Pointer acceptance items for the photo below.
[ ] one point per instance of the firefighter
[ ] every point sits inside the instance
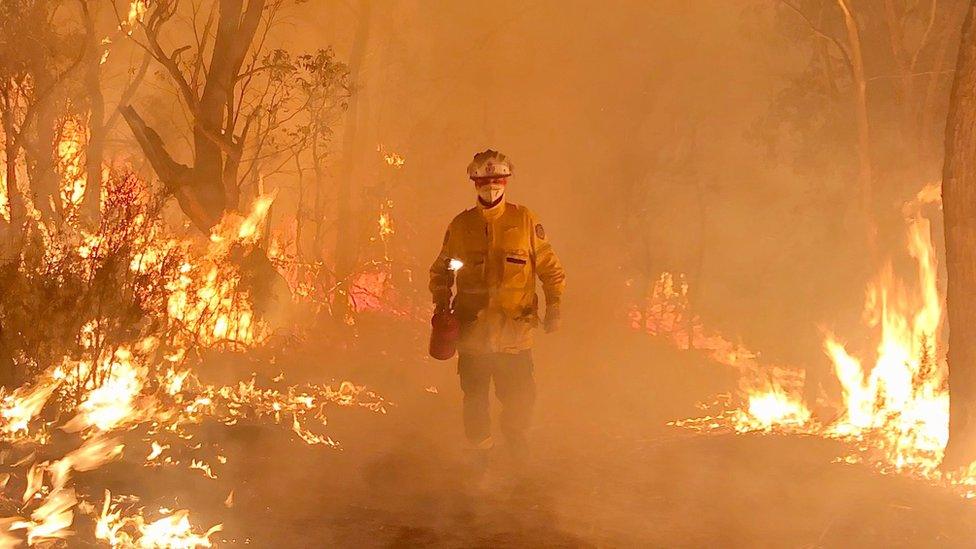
(494, 252)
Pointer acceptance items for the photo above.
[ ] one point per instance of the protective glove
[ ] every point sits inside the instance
(554, 319)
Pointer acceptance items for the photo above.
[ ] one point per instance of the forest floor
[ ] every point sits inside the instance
(605, 471)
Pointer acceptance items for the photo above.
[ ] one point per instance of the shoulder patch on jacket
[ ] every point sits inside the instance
(539, 231)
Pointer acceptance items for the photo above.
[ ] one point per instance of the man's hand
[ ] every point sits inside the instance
(554, 319)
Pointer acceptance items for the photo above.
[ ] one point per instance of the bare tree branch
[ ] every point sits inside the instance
(925, 36)
(169, 62)
(130, 91)
(816, 30)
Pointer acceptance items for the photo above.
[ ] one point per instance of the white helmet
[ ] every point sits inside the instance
(489, 165)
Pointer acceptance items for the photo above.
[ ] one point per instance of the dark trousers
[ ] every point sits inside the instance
(514, 387)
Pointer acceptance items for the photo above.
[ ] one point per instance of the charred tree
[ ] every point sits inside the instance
(210, 187)
(178, 178)
(959, 204)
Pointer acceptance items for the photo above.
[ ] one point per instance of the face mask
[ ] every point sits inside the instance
(490, 193)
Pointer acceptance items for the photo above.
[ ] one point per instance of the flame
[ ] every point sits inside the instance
(773, 407)
(173, 530)
(137, 12)
(194, 295)
(249, 230)
(106, 42)
(113, 401)
(157, 450)
(895, 399)
(206, 300)
(20, 407)
(6, 540)
(202, 466)
(386, 225)
(667, 313)
(94, 453)
(121, 400)
(52, 518)
(392, 159)
(386, 230)
(71, 162)
(4, 199)
(902, 402)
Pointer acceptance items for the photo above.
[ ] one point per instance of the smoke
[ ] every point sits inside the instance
(648, 136)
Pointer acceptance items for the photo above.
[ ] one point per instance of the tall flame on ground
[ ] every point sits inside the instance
(206, 299)
(901, 404)
(896, 410)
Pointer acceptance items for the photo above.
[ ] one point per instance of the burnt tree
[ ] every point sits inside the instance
(210, 187)
(959, 204)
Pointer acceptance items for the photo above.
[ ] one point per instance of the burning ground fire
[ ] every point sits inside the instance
(895, 413)
(371, 287)
(132, 394)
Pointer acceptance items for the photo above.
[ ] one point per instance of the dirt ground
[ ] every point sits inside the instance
(606, 470)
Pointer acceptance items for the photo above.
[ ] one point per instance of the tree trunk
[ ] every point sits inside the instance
(865, 176)
(347, 241)
(15, 202)
(301, 215)
(95, 151)
(319, 201)
(235, 31)
(959, 204)
(209, 188)
(38, 135)
(178, 178)
(41, 150)
(928, 111)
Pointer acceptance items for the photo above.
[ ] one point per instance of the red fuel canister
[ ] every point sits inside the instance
(444, 335)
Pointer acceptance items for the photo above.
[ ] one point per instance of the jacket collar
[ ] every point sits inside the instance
(493, 213)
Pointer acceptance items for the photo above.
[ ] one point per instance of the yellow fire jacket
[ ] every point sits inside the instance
(502, 249)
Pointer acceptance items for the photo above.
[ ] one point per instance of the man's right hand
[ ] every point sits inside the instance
(553, 320)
